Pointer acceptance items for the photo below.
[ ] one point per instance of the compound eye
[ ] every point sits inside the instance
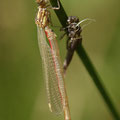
(46, 1)
(38, 1)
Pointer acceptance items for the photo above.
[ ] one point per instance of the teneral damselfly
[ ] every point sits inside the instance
(56, 92)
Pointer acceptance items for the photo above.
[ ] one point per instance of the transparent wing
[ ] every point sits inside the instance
(53, 77)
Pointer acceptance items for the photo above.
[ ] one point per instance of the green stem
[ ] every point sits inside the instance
(62, 16)
(97, 80)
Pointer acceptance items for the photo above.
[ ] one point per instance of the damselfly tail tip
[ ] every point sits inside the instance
(50, 107)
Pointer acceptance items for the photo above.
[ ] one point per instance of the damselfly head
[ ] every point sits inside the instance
(41, 2)
(72, 19)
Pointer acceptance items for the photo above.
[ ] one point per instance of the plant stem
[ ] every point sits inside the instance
(62, 16)
(97, 80)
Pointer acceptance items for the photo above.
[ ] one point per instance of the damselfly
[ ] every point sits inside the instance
(56, 92)
(74, 37)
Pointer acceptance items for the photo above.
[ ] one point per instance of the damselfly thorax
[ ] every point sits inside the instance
(43, 15)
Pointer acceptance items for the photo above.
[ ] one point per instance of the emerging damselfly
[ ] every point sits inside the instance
(73, 31)
(56, 92)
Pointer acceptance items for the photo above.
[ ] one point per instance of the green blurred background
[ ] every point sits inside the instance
(22, 89)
